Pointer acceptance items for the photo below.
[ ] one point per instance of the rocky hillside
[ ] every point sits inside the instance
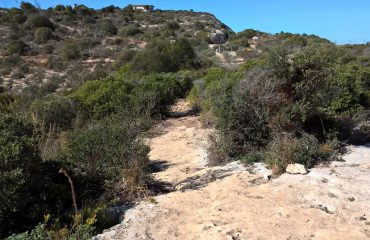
(60, 48)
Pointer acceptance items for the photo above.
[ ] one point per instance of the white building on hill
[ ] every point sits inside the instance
(143, 8)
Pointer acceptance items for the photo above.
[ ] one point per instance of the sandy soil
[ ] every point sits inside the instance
(233, 202)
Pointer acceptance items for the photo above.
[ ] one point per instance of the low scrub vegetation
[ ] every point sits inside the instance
(285, 111)
(94, 136)
(71, 142)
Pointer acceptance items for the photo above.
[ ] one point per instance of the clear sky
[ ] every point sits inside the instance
(341, 21)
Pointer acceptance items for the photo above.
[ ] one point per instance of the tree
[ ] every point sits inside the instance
(109, 9)
(59, 8)
(128, 9)
(26, 6)
(83, 10)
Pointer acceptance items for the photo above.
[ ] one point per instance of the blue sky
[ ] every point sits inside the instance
(341, 21)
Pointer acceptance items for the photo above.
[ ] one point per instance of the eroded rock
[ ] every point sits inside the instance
(296, 169)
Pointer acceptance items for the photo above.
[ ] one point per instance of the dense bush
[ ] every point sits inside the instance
(151, 94)
(27, 6)
(16, 47)
(19, 18)
(277, 108)
(37, 21)
(130, 30)
(164, 56)
(159, 91)
(59, 8)
(279, 105)
(125, 57)
(43, 34)
(41, 231)
(103, 157)
(172, 26)
(108, 152)
(70, 51)
(247, 33)
(296, 41)
(25, 189)
(55, 113)
(242, 112)
(285, 149)
(107, 27)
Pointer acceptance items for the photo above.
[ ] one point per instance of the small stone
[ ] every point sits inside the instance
(351, 199)
(296, 169)
(365, 166)
(205, 228)
(325, 180)
(362, 218)
(332, 195)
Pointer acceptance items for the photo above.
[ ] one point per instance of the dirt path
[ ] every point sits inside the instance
(235, 203)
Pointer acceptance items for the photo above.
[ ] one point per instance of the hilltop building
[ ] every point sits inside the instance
(143, 8)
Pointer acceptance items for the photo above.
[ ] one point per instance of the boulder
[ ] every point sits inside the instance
(218, 37)
(296, 169)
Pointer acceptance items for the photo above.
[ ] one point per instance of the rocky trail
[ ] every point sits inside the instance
(234, 202)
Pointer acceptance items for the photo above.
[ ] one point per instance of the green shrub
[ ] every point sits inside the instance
(15, 47)
(253, 157)
(19, 18)
(287, 149)
(242, 111)
(25, 188)
(70, 51)
(161, 91)
(198, 25)
(109, 9)
(48, 49)
(101, 98)
(53, 113)
(41, 232)
(27, 6)
(248, 33)
(108, 152)
(43, 34)
(241, 42)
(151, 95)
(125, 57)
(37, 21)
(59, 8)
(220, 150)
(107, 27)
(163, 56)
(130, 30)
(296, 41)
(172, 26)
(83, 10)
